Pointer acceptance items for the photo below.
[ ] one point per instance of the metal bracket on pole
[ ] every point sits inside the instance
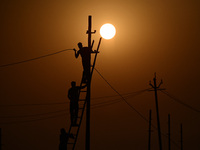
(91, 32)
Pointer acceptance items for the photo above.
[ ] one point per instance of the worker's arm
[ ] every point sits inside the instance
(82, 87)
(76, 53)
(69, 96)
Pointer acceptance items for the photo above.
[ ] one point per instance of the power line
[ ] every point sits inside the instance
(32, 120)
(34, 104)
(107, 104)
(130, 94)
(180, 102)
(39, 119)
(118, 99)
(123, 97)
(32, 59)
(97, 105)
(94, 106)
(33, 115)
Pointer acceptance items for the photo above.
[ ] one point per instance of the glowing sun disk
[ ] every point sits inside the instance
(107, 31)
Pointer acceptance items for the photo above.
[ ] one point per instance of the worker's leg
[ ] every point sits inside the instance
(76, 113)
(71, 113)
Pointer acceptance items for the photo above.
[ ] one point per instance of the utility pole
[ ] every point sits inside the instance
(0, 140)
(181, 137)
(149, 143)
(157, 111)
(89, 32)
(169, 138)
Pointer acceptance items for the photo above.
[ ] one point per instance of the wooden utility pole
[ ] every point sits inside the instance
(169, 138)
(0, 140)
(89, 32)
(181, 137)
(157, 111)
(149, 142)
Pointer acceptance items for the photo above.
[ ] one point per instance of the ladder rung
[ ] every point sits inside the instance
(83, 91)
(75, 125)
(84, 83)
(70, 143)
(81, 107)
(82, 99)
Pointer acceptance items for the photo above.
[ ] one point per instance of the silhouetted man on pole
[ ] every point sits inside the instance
(73, 95)
(64, 137)
(85, 54)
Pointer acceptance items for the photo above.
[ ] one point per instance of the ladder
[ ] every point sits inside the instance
(74, 130)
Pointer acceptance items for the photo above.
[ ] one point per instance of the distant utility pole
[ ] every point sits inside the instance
(181, 137)
(149, 143)
(0, 140)
(157, 112)
(89, 32)
(169, 138)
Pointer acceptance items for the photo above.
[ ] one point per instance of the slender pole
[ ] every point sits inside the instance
(87, 142)
(169, 138)
(157, 111)
(181, 137)
(149, 143)
(0, 140)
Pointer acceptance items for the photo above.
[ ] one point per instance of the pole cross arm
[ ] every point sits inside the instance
(161, 82)
(151, 84)
(91, 32)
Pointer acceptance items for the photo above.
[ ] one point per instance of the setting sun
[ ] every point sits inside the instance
(107, 31)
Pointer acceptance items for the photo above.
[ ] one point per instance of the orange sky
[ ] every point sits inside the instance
(152, 36)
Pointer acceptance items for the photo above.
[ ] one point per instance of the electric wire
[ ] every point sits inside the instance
(94, 106)
(118, 99)
(33, 115)
(34, 104)
(58, 103)
(180, 102)
(33, 120)
(122, 96)
(107, 104)
(32, 59)
(39, 119)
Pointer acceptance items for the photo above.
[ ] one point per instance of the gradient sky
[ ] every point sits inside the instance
(152, 36)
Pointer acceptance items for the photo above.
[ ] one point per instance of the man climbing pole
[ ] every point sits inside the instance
(85, 54)
(73, 95)
(64, 137)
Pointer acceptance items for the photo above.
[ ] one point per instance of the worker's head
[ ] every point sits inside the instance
(80, 45)
(73, 83)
